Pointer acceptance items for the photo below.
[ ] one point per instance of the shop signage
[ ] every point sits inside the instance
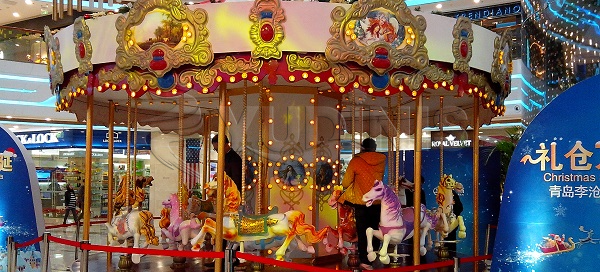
(486, 12)
(75, 138)
(551, 195)
(39, 138)
(451, 141)
(80, 154)
(20, 202)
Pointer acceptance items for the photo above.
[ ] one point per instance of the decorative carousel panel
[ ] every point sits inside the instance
(160, 35)
(379, 34)
(266, 31)
(502, 65)
(462, 46)
(54, 61)
(83, 46)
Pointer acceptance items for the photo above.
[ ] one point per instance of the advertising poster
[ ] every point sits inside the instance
(551, 200)
(20, 203)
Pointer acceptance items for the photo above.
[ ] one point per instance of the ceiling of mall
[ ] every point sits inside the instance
(33, 9)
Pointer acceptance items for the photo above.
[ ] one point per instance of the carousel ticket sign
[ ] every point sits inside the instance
(20, 202)
(551, 196)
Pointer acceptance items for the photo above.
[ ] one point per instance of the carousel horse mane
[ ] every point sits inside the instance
(232, 195)
(136, 196)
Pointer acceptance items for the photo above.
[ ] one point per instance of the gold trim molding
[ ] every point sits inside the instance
(83, 46)
(502, 64)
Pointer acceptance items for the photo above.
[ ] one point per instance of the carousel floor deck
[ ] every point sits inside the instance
(62, 258)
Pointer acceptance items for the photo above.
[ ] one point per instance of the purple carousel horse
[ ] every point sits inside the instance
(396, 224)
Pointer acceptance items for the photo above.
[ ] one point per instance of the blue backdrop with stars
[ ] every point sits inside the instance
(458, 162)
(552, 189)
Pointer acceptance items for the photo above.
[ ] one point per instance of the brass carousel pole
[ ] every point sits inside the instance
(353, 123)
(398, 131)
(244, 140)
(88, 177)
(391, 174)
(111, 150)
(417, 196)
(205, 152)
(476, 177)
(220, 173)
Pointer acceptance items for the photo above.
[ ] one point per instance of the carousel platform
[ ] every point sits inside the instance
(62, 258)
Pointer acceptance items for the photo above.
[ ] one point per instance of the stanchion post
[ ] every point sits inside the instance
(229, 259)
(10, 248)
(84, 256)
(456, 264)
(45, 251)
(78, 225)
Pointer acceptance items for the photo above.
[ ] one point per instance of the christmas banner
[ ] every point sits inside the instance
(551, 197)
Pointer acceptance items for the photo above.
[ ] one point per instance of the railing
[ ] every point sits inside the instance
(228, 256)
(22, 45)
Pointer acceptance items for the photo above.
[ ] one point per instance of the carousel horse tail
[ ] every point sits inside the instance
(310, 232)
(164, 218)
(147, 227)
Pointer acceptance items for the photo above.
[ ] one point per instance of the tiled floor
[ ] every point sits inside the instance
(62, 258)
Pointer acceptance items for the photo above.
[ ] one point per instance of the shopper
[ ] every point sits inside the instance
(361, 173)
(233, 161)
(70, 203)
(80, 199)
(233, 168)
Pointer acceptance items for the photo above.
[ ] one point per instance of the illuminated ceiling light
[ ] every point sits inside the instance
(438, 6)
(28, 2)
(16, 14)
(476, 1)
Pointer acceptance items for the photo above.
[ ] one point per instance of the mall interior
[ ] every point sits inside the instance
(554, 46)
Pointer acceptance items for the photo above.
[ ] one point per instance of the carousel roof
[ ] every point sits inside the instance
(161, 51)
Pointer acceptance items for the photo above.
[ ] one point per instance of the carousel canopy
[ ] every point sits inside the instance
(373, 58)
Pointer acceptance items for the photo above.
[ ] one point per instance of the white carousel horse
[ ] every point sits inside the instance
(445, 201)
(396, 223)
(240, 227)
(132, 224)
(176, 230)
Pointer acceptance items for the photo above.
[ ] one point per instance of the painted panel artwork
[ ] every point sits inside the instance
(548, 217)
(158, 26)
(20, 203)
(380, 25)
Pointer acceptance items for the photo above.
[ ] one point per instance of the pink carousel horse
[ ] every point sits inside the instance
(176, 230)
(346, 229)
(396, 223)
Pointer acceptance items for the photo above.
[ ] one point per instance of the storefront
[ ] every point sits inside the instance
(59, 156)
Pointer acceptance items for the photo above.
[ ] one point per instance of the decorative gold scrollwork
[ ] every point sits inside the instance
(502, 64)
(462, 46)
(266, 31)
(180, 37)
(55, 67)
(415, 80)
(380, 34)
(83, 46)
(315, 64)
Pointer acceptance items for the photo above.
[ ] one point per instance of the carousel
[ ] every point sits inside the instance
(295, 86)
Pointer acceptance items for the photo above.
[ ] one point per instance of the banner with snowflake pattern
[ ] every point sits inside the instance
(551, 198)
(20, 203)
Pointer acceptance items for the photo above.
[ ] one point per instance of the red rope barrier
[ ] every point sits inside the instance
(28, 243)
(269, 261)
(475, 259)
(158, 252)
(64, 241)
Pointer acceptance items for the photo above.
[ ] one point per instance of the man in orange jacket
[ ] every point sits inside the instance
(361, 173)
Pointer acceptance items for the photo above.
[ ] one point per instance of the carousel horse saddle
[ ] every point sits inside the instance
(254, 224)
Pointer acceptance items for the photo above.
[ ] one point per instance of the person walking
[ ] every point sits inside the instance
(70, 203)
(362, 171)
